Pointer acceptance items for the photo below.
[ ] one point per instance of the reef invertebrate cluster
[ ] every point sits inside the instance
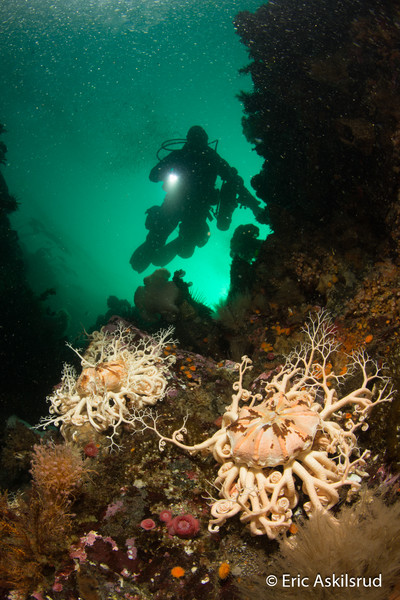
(296, 439)
(121, 372)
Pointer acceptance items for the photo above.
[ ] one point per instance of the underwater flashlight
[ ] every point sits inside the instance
(172, 179)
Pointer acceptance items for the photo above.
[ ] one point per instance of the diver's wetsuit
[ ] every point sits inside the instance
(187, 203)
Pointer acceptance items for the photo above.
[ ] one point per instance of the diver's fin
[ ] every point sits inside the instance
(142, 257)
(165, 254)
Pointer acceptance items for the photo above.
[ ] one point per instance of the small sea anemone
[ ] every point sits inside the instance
(165, 516)
(147, 524)
(91, 449)
(184, 526)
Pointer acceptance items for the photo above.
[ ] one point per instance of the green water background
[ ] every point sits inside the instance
(90, 89)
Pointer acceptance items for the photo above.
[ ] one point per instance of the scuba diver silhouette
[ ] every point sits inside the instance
(189, 175)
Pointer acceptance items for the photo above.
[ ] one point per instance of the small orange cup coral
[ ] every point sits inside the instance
(177, 572)
(224, 570)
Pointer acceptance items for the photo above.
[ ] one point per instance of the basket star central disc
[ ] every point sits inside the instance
(273, 433)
